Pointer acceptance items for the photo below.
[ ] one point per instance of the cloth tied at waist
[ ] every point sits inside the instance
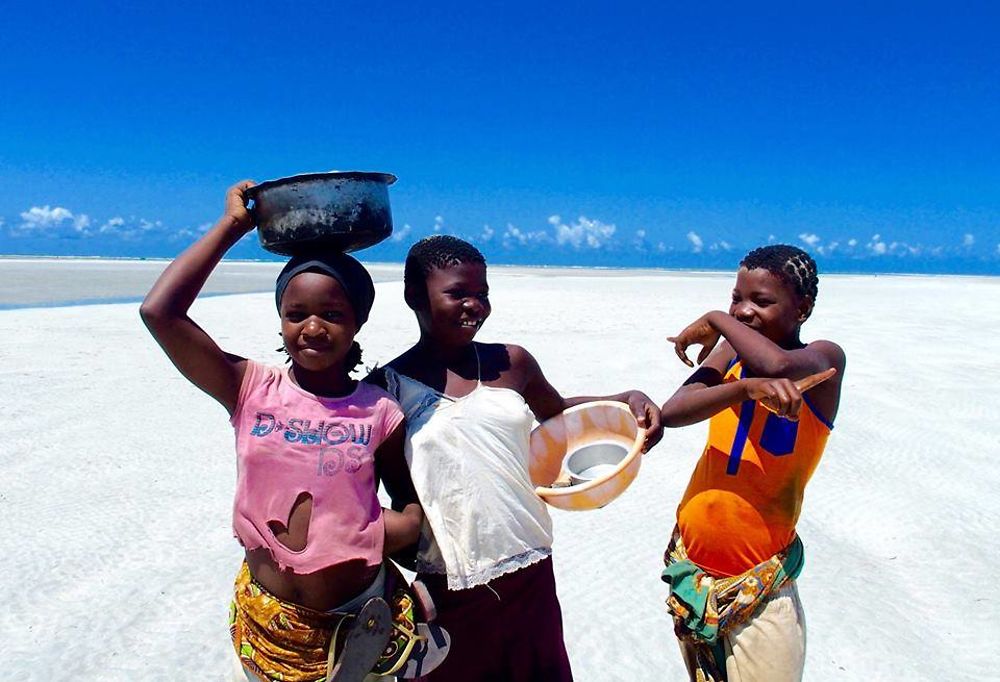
(704, 607)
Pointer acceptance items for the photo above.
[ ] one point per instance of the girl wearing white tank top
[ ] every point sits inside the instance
(485, 546)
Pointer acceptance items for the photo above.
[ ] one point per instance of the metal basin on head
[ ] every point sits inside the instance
(336, 211)
(586, 456)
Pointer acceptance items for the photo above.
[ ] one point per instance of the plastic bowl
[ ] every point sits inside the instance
(587, 456)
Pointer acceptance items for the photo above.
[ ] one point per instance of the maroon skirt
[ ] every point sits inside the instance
(507, 631)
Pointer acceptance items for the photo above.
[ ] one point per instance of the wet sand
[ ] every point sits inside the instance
(46, 282)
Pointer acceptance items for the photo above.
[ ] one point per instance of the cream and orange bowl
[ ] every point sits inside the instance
(587, 456)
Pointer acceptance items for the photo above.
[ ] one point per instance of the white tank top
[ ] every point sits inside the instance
(468, 459)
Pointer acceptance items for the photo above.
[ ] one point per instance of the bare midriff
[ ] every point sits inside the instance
(323, 590)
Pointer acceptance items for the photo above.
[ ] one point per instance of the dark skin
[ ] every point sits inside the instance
(762, 327)
(450, 311)
(318, 326)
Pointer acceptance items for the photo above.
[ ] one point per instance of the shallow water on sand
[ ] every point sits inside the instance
(43, 282)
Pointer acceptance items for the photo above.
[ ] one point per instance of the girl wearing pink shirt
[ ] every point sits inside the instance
(312, 445)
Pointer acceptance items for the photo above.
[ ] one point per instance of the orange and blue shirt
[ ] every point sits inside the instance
(744, 498)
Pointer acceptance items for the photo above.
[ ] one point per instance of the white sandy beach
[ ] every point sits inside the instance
(116, 479)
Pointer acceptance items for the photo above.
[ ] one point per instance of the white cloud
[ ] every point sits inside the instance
(639, 242)
(852, 242)
(438, 223)
(877, 246)
(696, 242)
(584, 232)
(59, 221)
(46, 218)
(112, 225)
(662, 248)
(400, 235)
(968, 239)
(809, 238)
(149, 225)
(487, 233)
(138, 228)
(514, 236)
(40, 217)
(721, 246)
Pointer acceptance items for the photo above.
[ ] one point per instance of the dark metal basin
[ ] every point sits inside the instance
(340, 210)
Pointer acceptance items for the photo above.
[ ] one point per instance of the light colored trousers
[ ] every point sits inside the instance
(770, 647)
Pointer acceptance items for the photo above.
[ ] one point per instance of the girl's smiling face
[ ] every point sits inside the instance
(457, 304)
(765, 303)
(318, 324)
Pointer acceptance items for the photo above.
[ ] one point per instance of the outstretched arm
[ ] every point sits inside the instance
(165, 309)
(705, 393)
(545, 401)
(764, 358)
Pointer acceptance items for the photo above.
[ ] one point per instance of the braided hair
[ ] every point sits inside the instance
(790, 264)
(436, 251)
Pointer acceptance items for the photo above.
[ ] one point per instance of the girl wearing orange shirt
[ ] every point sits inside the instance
(771, 400)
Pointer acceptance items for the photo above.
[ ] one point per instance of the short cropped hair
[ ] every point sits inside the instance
(437, 251)
(792, 265)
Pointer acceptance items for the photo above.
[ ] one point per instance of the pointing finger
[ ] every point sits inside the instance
(814, 379)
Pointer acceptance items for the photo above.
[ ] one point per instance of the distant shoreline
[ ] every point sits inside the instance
(515, 267)
(57, 281)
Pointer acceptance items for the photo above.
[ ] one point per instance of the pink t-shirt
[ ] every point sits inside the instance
(289, 442)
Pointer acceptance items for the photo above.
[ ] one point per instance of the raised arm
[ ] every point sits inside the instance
(165, 309)
(759, 354)
(704, 394)
(545, 401)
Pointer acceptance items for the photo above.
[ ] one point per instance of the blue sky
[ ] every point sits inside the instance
(603, 134)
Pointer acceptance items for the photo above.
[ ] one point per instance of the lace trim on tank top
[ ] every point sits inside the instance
(508, 565)
(433, 562)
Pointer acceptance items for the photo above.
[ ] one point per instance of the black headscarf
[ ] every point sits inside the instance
(353, 277)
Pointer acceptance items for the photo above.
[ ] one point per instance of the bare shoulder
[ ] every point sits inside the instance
(518, 354)
(507, 365)
(832, 352)
(520, 361)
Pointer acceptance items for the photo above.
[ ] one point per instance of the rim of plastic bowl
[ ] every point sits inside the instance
(634, 451)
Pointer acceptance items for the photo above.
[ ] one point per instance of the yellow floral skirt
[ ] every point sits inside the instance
(278, 640)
